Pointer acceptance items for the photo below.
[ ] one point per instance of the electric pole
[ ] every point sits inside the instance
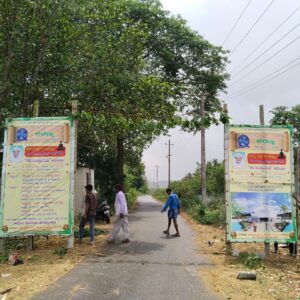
(169, 163)
(203, 157)
(157, 176)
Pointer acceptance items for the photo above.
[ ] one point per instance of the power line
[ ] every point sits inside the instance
(267, 60)
(267, 38)
(267, 76)
(235, 24)
(272, 46)
(251, 28)
(266, 81)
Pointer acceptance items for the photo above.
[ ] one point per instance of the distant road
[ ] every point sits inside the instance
(152, 267)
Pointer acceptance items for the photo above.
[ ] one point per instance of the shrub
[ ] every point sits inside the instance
(250, 260)
(212, 217)
(131, 196)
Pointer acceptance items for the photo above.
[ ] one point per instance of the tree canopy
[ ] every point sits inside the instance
(134, 69)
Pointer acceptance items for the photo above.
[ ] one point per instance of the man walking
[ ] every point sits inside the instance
(122, 220)
(173, 212)
(89, 214)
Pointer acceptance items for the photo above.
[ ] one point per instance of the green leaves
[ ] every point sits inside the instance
(134, 69)
(283, 116)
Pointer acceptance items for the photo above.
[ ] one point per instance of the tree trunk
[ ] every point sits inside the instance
(120, 161)
(203, 158)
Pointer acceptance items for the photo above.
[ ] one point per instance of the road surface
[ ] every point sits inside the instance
(152, 267)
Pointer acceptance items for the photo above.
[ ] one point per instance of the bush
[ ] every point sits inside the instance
(250, 260)
(211, 214)
(131, 196)
(212, 217)
(159, 194)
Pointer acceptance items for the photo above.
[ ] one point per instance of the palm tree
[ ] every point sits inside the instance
(284, 209)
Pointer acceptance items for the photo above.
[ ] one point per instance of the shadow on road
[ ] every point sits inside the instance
(134, 248)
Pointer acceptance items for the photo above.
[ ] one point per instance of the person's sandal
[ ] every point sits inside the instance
(166, 232)
(125, 241)
(176, 235)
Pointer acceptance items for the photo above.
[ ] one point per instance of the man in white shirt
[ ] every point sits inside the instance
(122, 220)
(16, 154)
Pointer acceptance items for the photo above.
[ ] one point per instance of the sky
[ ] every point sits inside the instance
(264, 68)
(262, 204)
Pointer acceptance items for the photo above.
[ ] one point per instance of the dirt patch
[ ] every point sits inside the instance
(278, 276)
(42, 267)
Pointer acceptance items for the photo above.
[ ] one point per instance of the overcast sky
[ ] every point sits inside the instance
(269, 76)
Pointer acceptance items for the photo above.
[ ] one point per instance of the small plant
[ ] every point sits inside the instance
(86, 232)
(34, 257)
(3, 259)
(250, 260)
(61, 251)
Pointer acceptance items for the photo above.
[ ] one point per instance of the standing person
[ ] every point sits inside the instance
(121, 213)
(173, 212)
(89, 214)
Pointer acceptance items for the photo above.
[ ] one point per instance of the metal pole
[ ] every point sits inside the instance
(74, 111)
(203, 157)
(169, 162)
(261, 115)
(157, 176)
(169, 165)
(36, 108)
(35, 113)
(228, 245)
(297, 190)
(262, 122)
(70, 241)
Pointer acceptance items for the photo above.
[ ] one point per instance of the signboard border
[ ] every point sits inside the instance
(228, 194)
(68, 231)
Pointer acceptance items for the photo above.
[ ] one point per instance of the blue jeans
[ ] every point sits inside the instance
(91, 220)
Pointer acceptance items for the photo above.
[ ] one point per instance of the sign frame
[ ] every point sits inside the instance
(267, 238)
(65, 231)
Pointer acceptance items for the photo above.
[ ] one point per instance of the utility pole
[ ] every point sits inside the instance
(203, 157)
(169, 163)
(157, 176)
(36, 108)
(227, 243)
(262, 123)
(297, 190)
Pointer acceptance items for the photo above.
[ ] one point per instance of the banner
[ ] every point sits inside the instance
(37, 177)
(259, 184)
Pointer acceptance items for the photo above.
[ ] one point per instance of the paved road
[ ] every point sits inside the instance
(152, 267)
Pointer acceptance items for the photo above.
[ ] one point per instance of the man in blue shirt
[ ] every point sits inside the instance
(174, 209)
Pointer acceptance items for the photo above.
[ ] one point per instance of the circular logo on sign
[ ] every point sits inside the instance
(243, 141)
(22, 135)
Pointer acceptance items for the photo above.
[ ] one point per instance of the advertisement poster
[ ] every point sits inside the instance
(259, 184)
(37, 177)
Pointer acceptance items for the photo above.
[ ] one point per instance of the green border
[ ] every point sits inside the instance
(71, 188)
(228, 193)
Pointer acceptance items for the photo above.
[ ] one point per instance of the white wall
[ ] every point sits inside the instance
(83, 176)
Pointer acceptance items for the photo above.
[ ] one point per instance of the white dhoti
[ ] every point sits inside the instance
(120, 223)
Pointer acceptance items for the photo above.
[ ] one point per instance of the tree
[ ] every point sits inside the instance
(284, 209)
(131, 66)
(283, 116)
(236, 210)
(149, 83)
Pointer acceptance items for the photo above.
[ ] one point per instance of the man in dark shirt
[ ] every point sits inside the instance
(89, 214)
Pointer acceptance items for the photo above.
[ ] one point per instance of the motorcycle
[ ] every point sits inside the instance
(103, 212)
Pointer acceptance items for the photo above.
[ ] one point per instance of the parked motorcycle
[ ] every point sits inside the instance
(103, 212)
